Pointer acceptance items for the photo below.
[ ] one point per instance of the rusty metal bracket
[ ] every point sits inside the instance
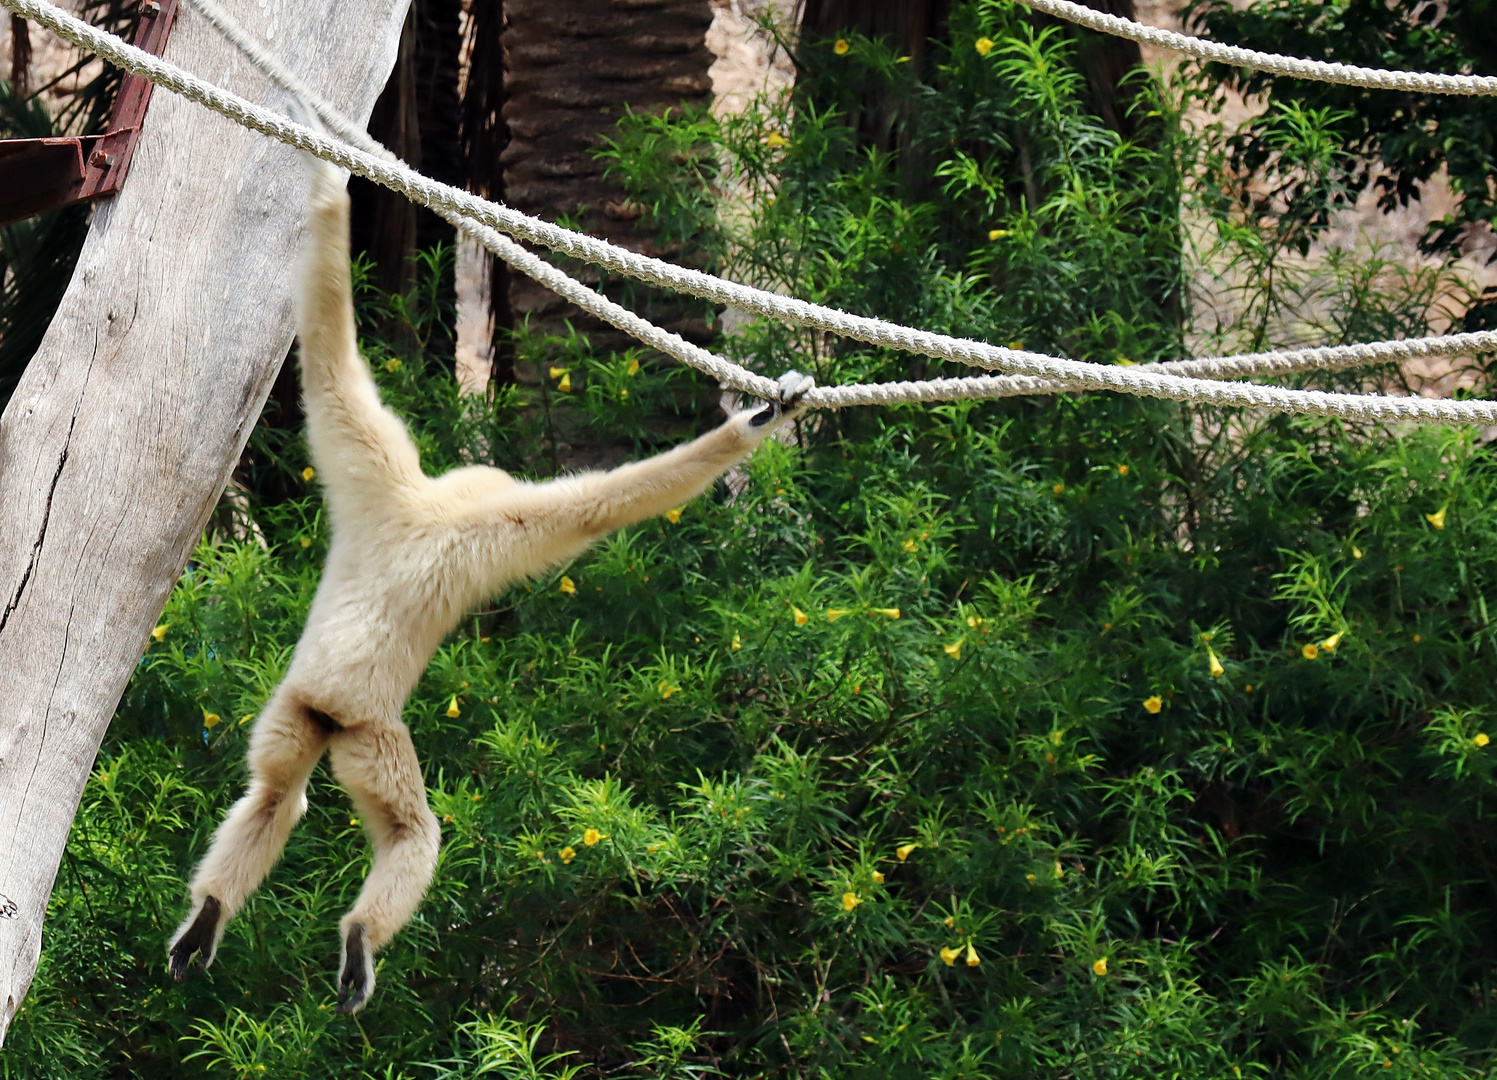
(46, 174)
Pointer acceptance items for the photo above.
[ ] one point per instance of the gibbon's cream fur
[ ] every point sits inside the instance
(409, 554)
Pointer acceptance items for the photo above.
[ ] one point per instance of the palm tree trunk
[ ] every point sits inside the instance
(573, 69)
(20, 57)
(418, 116)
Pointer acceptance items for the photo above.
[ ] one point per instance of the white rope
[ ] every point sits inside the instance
(1325, 358)
(1273, 63)
(1062, 373)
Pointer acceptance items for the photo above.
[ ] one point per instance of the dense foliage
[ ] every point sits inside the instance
(1084, 736)
(1395, 140)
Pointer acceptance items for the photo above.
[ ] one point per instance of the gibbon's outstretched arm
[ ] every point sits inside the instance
(408, 556)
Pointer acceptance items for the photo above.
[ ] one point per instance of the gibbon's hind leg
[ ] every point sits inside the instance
(377, 764)
(287, 741)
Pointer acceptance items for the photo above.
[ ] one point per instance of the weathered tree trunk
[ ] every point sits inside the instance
(571, 70)
(120, 436)
(484, 137)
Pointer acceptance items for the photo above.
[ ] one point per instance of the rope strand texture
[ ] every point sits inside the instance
(1273, 63)
(1067, 374)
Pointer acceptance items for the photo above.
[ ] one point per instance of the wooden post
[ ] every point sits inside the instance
(127, 424)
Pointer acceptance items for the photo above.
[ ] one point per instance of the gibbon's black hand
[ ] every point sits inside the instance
(793, 387)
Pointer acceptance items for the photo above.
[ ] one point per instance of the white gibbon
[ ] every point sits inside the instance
(408, 556)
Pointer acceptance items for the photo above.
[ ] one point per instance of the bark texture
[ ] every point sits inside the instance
(129, 419)
(571, 70)
(418, 117)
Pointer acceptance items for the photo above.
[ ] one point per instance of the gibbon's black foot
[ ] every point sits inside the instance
(793, 387)
(356, 982)
(197, 938)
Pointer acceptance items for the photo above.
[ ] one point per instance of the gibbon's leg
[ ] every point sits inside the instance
(603, 502)
(377, 764)
(287, 740)
(364, 451)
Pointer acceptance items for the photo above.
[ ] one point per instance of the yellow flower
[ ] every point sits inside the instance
(908, 545)
(878, 878)
(159, 633)
(949, 955)
(452, 709)
(558, 372)
(567, 585)
(801, 618)
(997, 234)
(972, 958)
(850, 900)
(1310, 652)
(774, 140)
(1030, 878)
(1437, 519)
(892, 612)
(954, 650)
(246, 719)
(308, 473)
(567, 854)
(210, 719)
(1100, 967)
(1059, 870)
(590, 837)
(841, 47)
(353, 821)
(306, 541)
(833, 614)
(666, 689)
(984, 46)
(1356, 552)
(1152, 705)
(392, 365)
(737, 643)
(1122, 470)
(1330, 643)
(1481, 739)
(565, 386)
(1058, 489)
(1216, 665)
(904, 851)
(633, 368)
(1017, 346)
(674, 516)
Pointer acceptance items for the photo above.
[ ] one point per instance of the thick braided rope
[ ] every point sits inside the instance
(1073, 374)
(1273, 63)
(1225, 367)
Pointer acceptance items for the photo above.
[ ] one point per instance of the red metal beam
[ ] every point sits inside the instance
(45, 174)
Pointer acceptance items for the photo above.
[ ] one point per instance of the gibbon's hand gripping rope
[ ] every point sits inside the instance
(1035, 372)
(1273, 63)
